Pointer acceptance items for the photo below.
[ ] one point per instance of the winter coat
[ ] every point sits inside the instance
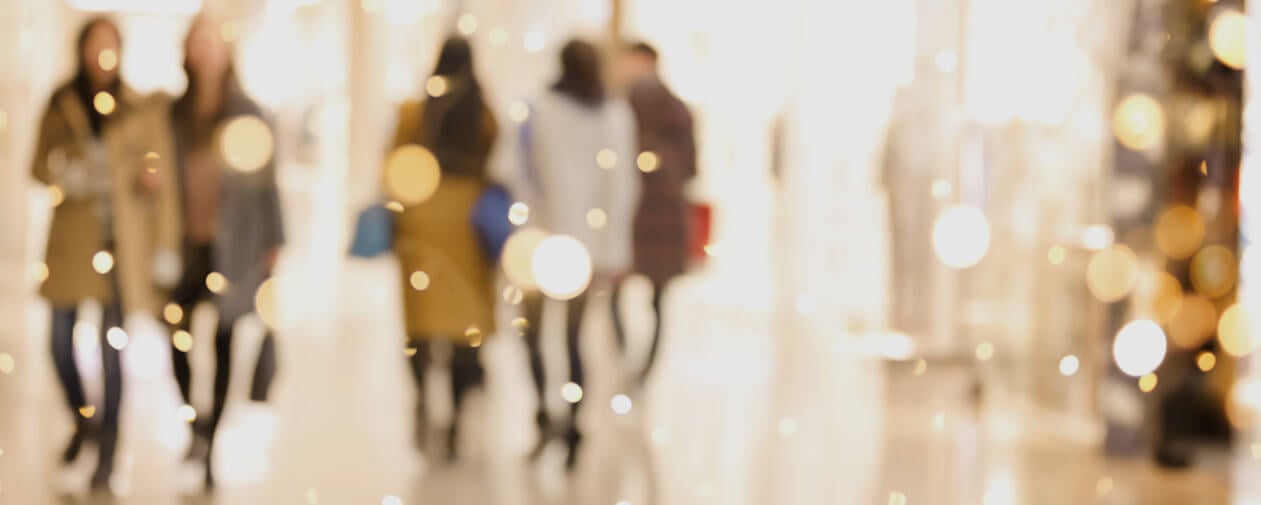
(663, 220)
(134, 138)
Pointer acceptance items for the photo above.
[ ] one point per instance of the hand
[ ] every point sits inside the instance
(149, 180)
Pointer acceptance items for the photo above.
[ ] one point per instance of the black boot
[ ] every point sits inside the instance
(107, 443)
(80, 435)
(453, 443)
(573, 439)
(544, 424)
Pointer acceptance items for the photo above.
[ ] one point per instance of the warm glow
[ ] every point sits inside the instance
(117, 338)
(1112, 273)
(6, 363)
(436, 86)
(1193, 323)
(921, 367)
(182, 340)
(102, 262)
(961, 236)
(562, 266)
(571, 392)
(246, 144)
(1236, 331)
(87, 411)
(394, 206)
(1139, 122)
(621, 404)
(519, 112)
(606, 159)
(107, 59)
(513, 295)
(597, 219)
(647, 162)
(1206, 361)
(186, 413)
(1056, 255)
(40, 272)
(1213, 271)
(518, 213)
(1227, 37)
(1147, 383)
(412, 174)
(984, 351)
(498, 36)
(896, 498)
(1097, 237)
(941, 189)
(419, 280)
(1069, 365)
(216, 283)
(534, 42)
(173, 313)
(1179, 232)
(467, 24)
(1139, 348)
(265, 303)
(518, 257)
(56, 195)
(104, 103)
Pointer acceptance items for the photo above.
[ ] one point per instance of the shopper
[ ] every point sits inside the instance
(667, 163)
(232, 224)
(447, 274)
(580, 155)
(104, 152)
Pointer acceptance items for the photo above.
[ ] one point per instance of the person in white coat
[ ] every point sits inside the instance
(581, 181)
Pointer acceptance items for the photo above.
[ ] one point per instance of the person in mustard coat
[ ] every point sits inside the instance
(104, 152)
(447, 276)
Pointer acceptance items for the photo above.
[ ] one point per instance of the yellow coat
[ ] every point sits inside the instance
(143, 222)
(437, 239)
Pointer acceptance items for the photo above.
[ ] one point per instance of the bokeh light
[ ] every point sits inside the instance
(597, 219)
(518, 257)
(1056, 255)
(102, 262)
(467, 24)
(1206, 361)
(1193, 323)
(606, 159)
(1069, 365)
(6, 363)
(498, 36)
(39, 272)
(1112, 273)
(518, 214)
(621, 404)
(419, 280)
(1179, 232)
(436, 86)
(1147, 383)
(571, 392)
(172, 313)
(1236, 331)
(107, 59)
(1139, 122)
(1227, 37)
(182, 340)
(116, 338)
(1213, 271)
(186, 413)
(1139, 348)
(562, 266)
(647, 162)
(519, 112)
(265, 303)
(961, 236)
(104, 103)
(412, 174)
(1166, 295)
(984, 351)
(246, 143)
(56, 195)
(87, 411)
(216, 283)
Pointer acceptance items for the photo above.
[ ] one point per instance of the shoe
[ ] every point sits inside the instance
(71, 452)
(545, 435)
(573, 439)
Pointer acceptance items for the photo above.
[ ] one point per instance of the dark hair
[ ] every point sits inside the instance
(580, 76)
(200, 131)
(451, 125)
(82, 85)
(644, 49)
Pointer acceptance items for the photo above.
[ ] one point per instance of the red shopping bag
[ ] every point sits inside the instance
(701, 215)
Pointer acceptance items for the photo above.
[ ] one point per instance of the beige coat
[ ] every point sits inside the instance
(437, 237)
(144, 222)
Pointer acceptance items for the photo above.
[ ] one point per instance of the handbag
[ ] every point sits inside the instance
(374, 232)
(490, 220)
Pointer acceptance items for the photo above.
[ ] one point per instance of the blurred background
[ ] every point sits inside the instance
(961, 252)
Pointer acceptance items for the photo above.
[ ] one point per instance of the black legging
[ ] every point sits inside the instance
(63, 321)
(467, 373)
(577, 374)
(619, 330)
(191, 291)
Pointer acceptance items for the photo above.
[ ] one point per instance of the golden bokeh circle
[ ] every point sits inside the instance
(1166, 296)
(1193, 323)
(1139, 348)
(1112, 273)
(1179, 232)
(104, 103)
(1139, 122)
(518, 257)
(246, 143)
(1227, 37)
(562, 266)
(412, 174)
(961, 236)
(1236, 331)
(265, 303)
(1214, 271)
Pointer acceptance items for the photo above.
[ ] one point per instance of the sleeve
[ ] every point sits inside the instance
(686, 149)
(623, 200)
(170, 215)
(48, 138)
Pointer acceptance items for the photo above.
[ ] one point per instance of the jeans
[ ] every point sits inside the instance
(63, 322)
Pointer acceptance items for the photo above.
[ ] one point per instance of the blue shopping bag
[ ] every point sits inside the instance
(490, 219)
(374, 232)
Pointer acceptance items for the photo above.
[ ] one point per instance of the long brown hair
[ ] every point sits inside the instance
(580, 77)
(81, 83)
(201, 129)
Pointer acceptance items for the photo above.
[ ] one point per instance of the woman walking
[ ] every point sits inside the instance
(580, 152)
(447, 275)
(232, 223)
(104, 153)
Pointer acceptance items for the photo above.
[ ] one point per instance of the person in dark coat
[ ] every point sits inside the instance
(232, 225)
(666, 162)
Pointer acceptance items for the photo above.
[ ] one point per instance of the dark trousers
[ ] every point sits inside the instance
(467, 373)
(63, 321)
(533, 339)
(191, 291)
(619, 330)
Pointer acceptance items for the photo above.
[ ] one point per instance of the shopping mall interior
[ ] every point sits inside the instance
(951, 252)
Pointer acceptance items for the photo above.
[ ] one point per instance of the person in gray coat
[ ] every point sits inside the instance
(232, 225)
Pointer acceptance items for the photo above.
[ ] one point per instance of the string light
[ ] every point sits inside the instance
(518, 256)
(40, 272)
(1069, 365)
(606, 159)
(436, 86)
(173, 313)
(117, 338)
(412, 174)
(1179, 232)
(1206, 361)
(87, 411)
(1193, 323)
(104, 103)
(647, 162)
(597, 219)
(1227, 37)
(571, 392)
(246, 144)
(984, 351)
(1236, 331)
(182, 340)
(419, 280)
(961, 236)
(519, 112)
(1147, 383)
(102, 262)
(265, 303)
(621, 404)
(216, 283)
(1139, 348)
(1055, 255)
(1214, 271)
(56, 196)
(562, 266)
(518, 213)
(1139, 122)
(1111, 273)
(186, 413)
(107, 59)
